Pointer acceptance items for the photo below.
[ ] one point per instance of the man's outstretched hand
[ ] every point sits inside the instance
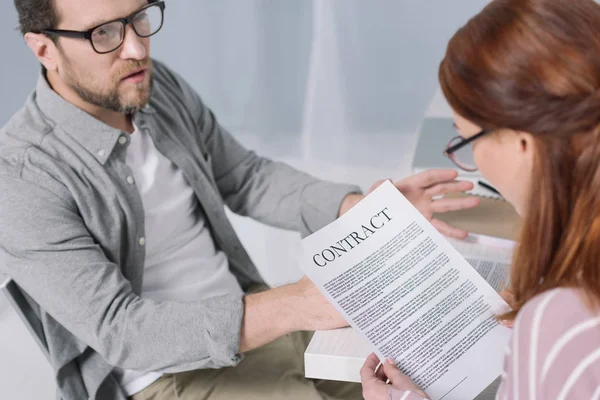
(423, 191)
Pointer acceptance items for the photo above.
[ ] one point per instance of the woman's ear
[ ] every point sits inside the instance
(525, 142)
(43, 48)
(526, 147)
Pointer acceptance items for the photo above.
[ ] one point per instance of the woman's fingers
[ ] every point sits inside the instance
(399, 380)
(368, 369)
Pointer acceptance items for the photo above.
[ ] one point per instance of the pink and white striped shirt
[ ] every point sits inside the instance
(554, 352)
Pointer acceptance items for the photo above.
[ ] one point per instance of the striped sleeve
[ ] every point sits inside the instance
(554, 351)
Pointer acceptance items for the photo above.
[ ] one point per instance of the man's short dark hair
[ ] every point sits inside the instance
(36, 15)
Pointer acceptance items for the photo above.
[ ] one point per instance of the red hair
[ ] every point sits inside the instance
(534, 66)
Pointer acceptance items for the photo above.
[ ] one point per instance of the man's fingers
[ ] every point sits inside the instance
(449, 187)
(454, 204)
(430, 177)
(448, 230)
(368, 369)
(379, 183)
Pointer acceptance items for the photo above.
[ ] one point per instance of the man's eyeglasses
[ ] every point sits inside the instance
(109, 36)
(460, 151)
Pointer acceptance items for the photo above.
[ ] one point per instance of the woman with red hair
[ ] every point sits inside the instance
(523, 79)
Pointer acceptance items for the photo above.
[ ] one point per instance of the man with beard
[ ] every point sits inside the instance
(113, 181)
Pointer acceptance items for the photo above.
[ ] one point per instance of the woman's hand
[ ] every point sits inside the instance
(509, 298)
(374, 382)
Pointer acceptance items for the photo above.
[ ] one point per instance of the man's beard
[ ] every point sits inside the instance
(111, 100)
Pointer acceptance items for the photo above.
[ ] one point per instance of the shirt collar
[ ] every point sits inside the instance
(94, 135)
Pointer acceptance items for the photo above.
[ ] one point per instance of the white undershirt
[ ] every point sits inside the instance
(182, 263)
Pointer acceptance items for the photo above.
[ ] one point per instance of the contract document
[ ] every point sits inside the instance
(410, 294)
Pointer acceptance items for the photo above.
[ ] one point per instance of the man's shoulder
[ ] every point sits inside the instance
(164, 74)
(28, 156)
(170, 88)
(24, 130)
(166, 80)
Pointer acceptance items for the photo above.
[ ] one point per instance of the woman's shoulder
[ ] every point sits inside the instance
(554, 336)
(555, 312)
(558, 305)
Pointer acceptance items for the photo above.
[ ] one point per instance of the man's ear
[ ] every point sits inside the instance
(44, 49)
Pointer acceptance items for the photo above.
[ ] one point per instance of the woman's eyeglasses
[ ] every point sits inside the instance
(460, 151)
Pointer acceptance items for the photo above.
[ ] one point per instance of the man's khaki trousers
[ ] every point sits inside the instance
(272, 372)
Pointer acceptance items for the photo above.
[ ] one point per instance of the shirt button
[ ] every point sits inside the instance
(122, 140)
(101, 153)
(130, 180)
(142, 241)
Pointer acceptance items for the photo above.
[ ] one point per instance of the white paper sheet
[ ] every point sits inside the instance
(410, 294)
(4, 281)
(491, 257)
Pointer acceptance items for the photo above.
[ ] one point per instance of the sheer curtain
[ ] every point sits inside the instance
(334, 87)
(314, 80)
